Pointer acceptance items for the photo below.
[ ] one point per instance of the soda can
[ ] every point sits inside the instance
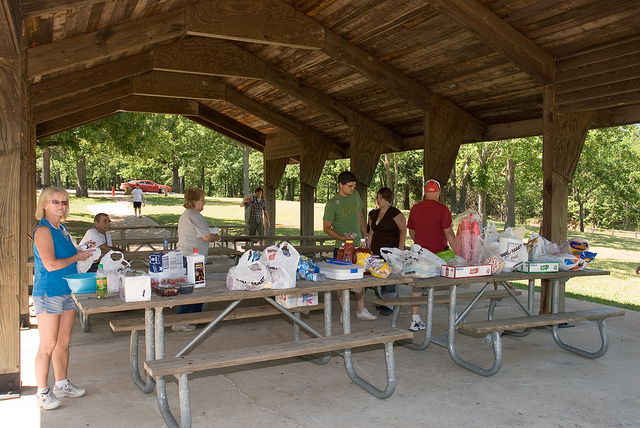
(155, 262)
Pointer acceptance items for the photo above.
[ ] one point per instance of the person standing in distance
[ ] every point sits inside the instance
(138, 198)
(343, 215)
(257, 210)
(430, 227)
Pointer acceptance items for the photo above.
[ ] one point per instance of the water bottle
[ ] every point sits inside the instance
(101, 283)
(165, 245)
(316, 276)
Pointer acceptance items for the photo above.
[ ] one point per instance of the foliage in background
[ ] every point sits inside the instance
(173, 150)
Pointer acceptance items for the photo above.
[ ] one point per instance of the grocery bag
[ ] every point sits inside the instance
(486, 252)
(395, 258)
(114, 264)
(512, 250)
(281, 262)
(421, 263)
(248, 274)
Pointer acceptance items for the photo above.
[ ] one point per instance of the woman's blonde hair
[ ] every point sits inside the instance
(191, 196)
(47, 195)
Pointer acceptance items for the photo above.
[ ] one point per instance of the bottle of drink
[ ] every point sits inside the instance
(349, 251)
(101, 283)
(165, 245)
(195, 268)
(316, 276)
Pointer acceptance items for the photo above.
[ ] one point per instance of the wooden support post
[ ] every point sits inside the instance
(27, 198)
(314, 150)
(563, 138)
(444, 128)
(366, 147)
(279, 148)
(10, 123)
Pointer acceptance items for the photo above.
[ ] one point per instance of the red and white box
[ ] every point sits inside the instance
(469, 271)
(307, 299)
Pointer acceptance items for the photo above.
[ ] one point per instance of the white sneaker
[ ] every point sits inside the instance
(47, 400)
(69, 390)
(417, 325)
(366, 315)
(183, 327)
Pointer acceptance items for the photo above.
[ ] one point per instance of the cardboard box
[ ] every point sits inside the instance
(287, 300)
(465, 271)
(539, 267)
(135, 286)
(307, 299)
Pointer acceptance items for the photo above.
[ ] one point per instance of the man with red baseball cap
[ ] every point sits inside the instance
(430, 227)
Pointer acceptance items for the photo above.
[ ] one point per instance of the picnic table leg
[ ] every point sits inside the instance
(348, 360)
(148, 385)
(528, 310)
(496, 342)
(602, 328)
(163, 402)
(85, 320)
(429, 323)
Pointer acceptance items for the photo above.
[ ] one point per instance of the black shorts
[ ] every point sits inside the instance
(137, 204)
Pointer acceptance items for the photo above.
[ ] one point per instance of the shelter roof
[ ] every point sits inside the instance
(252, 68)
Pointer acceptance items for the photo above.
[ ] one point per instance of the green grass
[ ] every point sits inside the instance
(619, 255)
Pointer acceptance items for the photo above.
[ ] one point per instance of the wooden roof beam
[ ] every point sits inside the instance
(224, 125)
(85, 49)
(178, 85)
(275, 118)
(271, 22)
(500, 36)
(326, 104)
(79, 118)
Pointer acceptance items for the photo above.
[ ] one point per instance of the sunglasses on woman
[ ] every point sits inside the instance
(56, 202)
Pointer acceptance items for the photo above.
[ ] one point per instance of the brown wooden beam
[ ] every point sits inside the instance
(80, 102)
(444, 130)
(500, 36)
(271, 22)
(229, 127)
(34, 8)
(80, 81)
(141, 104)
(73, 120)
(87, 48)
(208, 56)
(178, 85)
(11, 111)
(325, 103)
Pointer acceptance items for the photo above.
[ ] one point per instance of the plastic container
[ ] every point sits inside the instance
(101, 283)
(316, 276)
(341, 270)
(165, 245)
(195, 269)
(82, 283)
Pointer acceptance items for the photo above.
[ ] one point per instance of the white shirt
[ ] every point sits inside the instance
(99, 239)
(137, 195)
(192, 228)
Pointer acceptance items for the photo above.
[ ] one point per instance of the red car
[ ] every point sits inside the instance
(145, 186)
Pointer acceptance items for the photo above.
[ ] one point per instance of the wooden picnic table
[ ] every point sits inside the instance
(216, 291)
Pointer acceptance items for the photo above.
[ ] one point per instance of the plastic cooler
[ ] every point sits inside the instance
(340, 269)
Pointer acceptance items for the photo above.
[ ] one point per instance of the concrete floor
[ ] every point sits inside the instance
(539, 384)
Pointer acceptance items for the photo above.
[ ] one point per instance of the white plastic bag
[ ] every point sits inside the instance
(114, 264)
(248, 275)
(512, 250)
(421, 263)
(395, 258)
(487, 253)
(84, 266)
(282, 262)
(491, 232)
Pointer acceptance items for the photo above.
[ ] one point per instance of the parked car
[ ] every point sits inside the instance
(145, 186)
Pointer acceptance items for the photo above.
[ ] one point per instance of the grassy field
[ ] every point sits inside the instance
(619, 255)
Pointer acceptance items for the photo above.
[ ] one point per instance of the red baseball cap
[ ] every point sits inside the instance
(431, 186)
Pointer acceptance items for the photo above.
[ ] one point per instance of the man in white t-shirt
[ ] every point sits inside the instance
(138, 198)
(101, 238)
